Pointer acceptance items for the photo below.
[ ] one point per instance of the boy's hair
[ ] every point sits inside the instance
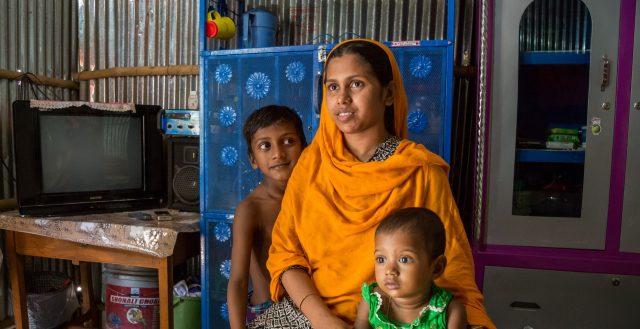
(422, 223)
(269, 115)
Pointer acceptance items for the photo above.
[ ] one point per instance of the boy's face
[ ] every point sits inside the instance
(275, 149)
(402, 266)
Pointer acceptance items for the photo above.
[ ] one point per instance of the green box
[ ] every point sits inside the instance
(186, 312)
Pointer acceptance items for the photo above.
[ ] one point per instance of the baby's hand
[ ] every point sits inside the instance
(362, 318)
(456, 316)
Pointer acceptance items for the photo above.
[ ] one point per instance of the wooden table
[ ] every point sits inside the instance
(53, 243)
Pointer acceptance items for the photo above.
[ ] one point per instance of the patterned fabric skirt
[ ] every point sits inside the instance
(281, 315)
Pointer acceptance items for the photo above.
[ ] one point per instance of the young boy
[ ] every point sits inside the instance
(409, 256)
(275, 139)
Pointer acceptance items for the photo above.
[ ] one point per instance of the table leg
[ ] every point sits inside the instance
(16, 275)
(165, 287)
(88, 308)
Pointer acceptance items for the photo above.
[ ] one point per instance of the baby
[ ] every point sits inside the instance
(409, 256)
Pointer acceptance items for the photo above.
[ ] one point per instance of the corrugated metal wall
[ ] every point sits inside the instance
(306, 21)
(138, 33)
(326, 21)
(552, 25)
(39, 37)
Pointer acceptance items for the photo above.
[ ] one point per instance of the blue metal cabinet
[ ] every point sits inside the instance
(427, 74)
(237, 82)
(234, 84)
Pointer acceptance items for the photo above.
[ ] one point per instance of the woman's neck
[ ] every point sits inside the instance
(363, 145)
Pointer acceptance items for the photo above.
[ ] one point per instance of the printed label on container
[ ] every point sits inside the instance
(131, 308)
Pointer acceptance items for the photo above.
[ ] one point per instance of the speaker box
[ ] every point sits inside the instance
(183, 154)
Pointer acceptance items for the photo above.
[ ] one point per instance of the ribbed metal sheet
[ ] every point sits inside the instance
(133, 34)
(305, 21)
(165, 32)
(556, 25)
(36, 36)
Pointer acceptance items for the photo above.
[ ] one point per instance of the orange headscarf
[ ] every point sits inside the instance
(334, 202)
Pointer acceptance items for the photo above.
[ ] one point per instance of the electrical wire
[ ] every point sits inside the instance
(8, 170)
(221, 7)
(345, 34)
(334, 39)
(320, 36)
(29, 81)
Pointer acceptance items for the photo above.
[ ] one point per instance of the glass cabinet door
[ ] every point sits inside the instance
(630, 232)
(552, 97)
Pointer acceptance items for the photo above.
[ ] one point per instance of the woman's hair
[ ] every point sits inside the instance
(380, 65)
(421, 223)
(270, 115)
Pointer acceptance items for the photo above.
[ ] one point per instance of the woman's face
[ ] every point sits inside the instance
(355, 99)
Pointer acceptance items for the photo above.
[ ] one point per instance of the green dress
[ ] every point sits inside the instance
(432, 316)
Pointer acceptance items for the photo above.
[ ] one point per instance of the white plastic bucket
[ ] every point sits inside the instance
(131, 297)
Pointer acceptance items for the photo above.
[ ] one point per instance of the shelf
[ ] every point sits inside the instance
(548, 57)
(550, 156)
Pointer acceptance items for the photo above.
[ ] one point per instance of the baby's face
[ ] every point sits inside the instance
(275, 150)
(402, 266)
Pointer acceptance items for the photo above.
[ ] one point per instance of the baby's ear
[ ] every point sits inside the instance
(438, 266)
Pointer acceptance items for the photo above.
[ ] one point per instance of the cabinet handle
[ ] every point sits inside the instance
(529, 306)
(615, 282)
(605, 73)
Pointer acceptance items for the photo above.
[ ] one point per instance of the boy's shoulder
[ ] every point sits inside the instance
(255, 205)
(247, 208)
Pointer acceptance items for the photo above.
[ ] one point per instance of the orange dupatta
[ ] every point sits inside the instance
(334, 202)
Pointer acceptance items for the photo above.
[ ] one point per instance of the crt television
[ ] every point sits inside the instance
(87, 159)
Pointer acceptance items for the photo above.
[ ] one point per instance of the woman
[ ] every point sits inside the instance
(358, 169)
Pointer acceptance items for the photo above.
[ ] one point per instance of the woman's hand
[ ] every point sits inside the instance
(305, 296)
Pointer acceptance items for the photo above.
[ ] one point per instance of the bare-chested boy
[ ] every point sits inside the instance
(275, 139)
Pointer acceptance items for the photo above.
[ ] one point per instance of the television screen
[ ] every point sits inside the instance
(73, 159)
(90, 153)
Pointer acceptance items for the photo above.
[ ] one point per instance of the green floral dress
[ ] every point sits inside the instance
(432, 316)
